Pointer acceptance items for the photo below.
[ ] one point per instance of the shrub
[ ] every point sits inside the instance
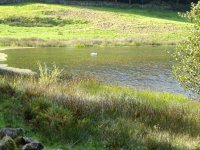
(187, 70)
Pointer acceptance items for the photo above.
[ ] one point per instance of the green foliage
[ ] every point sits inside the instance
(187, 71)
(51, 121)
(125, 134)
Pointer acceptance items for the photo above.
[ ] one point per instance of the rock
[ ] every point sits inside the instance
(23, 140)
(27, 140)
(2, 146)
(33, 146)
(5, 69)
(13, 138)
(12, 132)
(19, 141)
(8, 143)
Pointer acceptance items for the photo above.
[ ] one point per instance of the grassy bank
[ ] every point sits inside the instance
(79, 112)
(35, 24)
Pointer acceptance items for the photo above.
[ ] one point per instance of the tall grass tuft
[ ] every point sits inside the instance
(48, 76)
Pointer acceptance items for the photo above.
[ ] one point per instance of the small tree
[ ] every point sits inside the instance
(187, 69)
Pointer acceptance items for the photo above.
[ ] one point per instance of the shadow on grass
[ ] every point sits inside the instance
(173, 120)
(158, 13)
(112, 133)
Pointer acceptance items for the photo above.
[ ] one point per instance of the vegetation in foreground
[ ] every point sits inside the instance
(37, 24)
(79, 112)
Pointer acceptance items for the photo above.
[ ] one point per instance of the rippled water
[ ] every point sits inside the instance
(143, 67)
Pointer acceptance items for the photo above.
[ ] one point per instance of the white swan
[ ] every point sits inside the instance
(93, 54)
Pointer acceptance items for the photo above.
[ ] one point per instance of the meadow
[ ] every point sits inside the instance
(37, 24)
(66, 111)
(79, 112)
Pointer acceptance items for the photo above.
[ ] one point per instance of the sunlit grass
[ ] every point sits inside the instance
(48, 76)
(109, 26)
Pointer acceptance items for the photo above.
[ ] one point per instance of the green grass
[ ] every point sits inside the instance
(82, 113)
(38, 24)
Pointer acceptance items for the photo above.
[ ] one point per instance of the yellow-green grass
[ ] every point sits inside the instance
(82, 113)
(39, 24)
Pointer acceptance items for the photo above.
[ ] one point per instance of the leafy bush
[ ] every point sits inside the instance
(187, 70)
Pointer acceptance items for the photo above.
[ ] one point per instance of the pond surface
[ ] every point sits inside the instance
(143, 67)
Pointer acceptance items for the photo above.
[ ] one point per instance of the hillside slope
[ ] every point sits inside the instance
(35, 24)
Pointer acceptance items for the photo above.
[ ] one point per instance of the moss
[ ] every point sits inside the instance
(10, 143)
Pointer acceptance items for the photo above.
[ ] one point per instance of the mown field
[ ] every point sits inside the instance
(78, 112)
(37, 24)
